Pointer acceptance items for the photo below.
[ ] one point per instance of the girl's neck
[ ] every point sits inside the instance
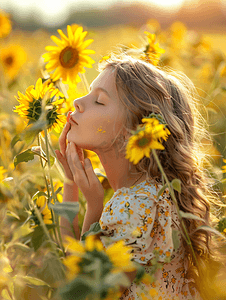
(120, 172)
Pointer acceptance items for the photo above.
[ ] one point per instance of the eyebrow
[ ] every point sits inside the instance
(102, 89)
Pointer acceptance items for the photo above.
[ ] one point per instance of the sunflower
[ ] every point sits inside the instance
(12, 58)
(116, 257)
(44, 210)
(5, 24)
(2, 172)
(152, 52)
(224, 167)
(31, 104)
(69, 57)
(145, 139)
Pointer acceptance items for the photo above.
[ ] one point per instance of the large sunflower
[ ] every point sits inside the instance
(12, 58)
(31, 105)
(146, 138)
(5, 24)
(69, 57)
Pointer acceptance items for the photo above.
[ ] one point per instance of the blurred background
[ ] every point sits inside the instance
(196, 14)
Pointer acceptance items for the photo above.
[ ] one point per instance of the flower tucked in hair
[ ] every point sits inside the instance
(69, 57)
(147, 136)
(31, 104)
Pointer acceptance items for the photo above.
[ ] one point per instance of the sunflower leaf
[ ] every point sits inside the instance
(161, 190)
(67, 210)
(23, 157)
(176, 184)
(16, 139)
(176, 239)
(94, 229)
(76, 289)
(190, 216)
(34, 281)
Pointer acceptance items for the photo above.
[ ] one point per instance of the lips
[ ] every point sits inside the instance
(73, 121)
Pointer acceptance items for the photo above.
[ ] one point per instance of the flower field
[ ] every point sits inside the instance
(40, 76)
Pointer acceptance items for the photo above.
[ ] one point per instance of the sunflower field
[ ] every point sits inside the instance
(40, 76)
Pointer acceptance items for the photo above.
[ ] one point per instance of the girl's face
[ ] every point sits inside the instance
(99, 114)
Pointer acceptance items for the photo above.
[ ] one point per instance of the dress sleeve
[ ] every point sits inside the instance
(142, 221)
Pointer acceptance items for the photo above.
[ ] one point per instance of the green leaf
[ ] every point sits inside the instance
(34, 281)
(67, 210)
(12, 214)
(16, 139)
(52, 160)
(176, 239)
(176, 184)
(21, 231)
(190, 216)
(114, 279)
(38, 237)
(76, 289)
(5, 295)
(140, 271)
(24, 157)
(38, 194)
(94, 229)
(161, 190)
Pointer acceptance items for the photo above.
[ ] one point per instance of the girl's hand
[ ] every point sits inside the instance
(84, 176)
(61, 155)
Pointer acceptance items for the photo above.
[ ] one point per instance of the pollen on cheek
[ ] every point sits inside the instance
(100, 130)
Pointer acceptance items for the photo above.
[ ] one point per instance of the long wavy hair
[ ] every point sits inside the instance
(143, 89)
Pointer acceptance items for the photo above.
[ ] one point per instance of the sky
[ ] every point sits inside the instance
(57, 11)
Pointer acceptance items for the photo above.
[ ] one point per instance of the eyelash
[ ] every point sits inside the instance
(99, 103)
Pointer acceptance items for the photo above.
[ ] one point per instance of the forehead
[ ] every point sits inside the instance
(106, 80)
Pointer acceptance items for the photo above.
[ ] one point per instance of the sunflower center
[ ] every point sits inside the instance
(143, 142)
(68, 57)
(9, 60)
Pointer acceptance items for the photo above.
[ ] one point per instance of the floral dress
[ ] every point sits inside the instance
(145, 223)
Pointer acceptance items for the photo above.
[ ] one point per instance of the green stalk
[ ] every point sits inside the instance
(43, 169)
(188, 241)
(47, 186)
(53, 194)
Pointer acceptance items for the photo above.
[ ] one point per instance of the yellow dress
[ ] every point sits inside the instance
(146, 223)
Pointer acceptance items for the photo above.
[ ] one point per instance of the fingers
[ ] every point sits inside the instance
(62, 159)
(76, 165)
(63, 138)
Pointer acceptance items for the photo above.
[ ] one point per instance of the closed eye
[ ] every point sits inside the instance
(99, 103)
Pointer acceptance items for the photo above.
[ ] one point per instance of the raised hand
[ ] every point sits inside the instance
(61, 155)
(84, 176)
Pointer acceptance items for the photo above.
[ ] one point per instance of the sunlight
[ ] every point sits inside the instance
(167, 4)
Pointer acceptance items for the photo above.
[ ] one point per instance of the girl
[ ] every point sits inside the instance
(125, 91)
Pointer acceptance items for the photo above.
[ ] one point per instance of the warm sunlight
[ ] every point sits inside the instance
(168, 4)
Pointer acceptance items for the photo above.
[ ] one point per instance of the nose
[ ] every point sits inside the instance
(78, 105)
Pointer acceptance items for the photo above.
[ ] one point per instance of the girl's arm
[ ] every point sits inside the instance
(70, 190)
(82, 176)
(89, 184)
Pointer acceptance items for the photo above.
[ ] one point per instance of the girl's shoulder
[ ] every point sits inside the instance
(147, 188)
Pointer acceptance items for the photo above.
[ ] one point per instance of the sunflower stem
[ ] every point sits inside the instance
(85, 82)
(59, 240)
(188, 241)
(43, 169)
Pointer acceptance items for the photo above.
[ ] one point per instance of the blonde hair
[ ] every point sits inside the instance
(143, 89)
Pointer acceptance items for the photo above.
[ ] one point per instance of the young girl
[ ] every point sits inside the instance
(125, 91)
